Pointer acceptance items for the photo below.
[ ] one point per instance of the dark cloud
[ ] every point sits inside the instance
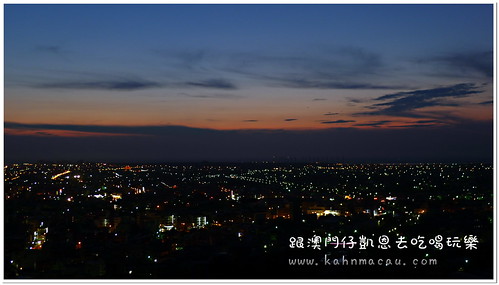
(319, 99)
(44, 134)
(330, 114)
(290, 120)
(414, 126)
(337, 122)
(49, 49)
(405, 103)
(486, 102)
(373, 124)
(327, 84)
(249, 121)
(212, 96)
(467, 142)
(130, 130)
(119, 85)
(212, 83)
(356, 100)
(426, 121)
(465, 63)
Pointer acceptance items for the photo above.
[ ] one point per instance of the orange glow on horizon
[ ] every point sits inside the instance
(59, 133)
(269, 124)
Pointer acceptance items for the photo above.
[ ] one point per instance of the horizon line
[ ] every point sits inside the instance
(244, 162)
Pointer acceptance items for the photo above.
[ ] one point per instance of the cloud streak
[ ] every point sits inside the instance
(62, 133)
(49, 49)
(373, 124)
(212, 83)
(212, 96)
(486, 102)
(92, 130)
(337, 122)
(405, 104)
(325, 68)
(427, 121)
(114, 85)
(327, 84)
(467, 63)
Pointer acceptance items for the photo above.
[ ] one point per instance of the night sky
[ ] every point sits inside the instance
(162, 83)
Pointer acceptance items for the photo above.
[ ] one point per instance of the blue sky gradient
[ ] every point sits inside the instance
(74, 71)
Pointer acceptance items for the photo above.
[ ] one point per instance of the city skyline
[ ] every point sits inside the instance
(249, 82)
(216, 221)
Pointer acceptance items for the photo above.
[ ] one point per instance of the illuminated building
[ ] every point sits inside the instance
(170, 220)
(39, 237)
(201, 222)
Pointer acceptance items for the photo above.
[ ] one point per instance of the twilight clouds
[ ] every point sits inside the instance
(226, 82)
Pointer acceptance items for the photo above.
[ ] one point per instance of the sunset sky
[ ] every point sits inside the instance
(190, 82)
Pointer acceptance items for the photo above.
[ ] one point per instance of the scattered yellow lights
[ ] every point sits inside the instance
(116, 197)
(60, 174)
(13, 178)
